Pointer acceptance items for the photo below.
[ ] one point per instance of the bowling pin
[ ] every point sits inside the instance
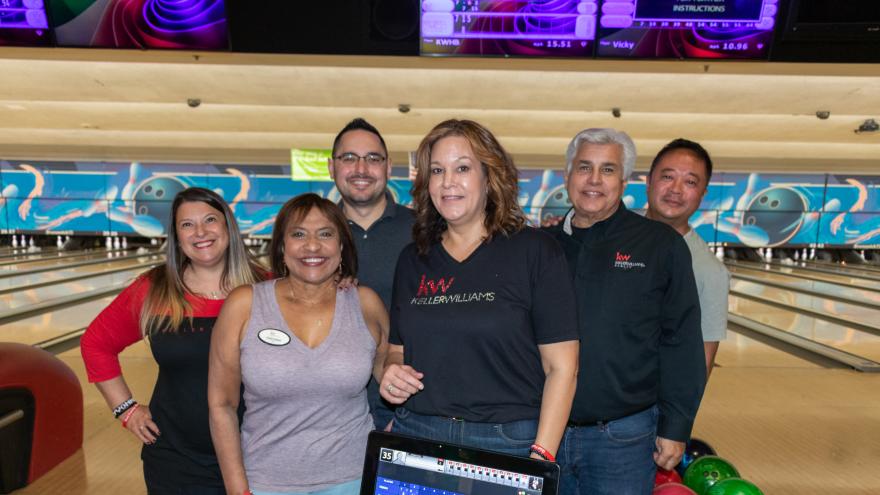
(719, 253)
(796, 255)
(812, 253)
(768, 255)
(862, 254)
(14, 241)
(153, 241)
(116, 244)
(31, 242)
(125, 243)
(58, 242)
(108, 243)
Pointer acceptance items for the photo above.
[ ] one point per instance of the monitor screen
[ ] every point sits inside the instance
(397, 465)
(172, 24)
(702, 29)
(536, 28)
(24, 23)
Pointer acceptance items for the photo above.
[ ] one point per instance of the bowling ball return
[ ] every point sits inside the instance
(41, 414)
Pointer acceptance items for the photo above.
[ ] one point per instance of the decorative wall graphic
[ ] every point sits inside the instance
(101, 198)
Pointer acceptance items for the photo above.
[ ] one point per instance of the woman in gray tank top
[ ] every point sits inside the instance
(304, 350)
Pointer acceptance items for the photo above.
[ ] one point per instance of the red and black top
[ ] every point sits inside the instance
(183, 452)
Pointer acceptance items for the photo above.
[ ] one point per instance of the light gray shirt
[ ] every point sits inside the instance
(713, 285)
(306, 424)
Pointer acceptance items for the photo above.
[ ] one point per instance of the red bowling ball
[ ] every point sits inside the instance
(673, 489)
(663, 476)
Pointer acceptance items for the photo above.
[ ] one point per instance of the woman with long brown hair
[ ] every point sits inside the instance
(174, 307)
(483, 347)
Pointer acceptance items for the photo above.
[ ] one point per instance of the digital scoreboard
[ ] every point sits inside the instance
(686, 28)
(24, 23)
(539, 28)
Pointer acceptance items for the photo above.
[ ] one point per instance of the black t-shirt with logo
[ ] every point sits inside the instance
(473, 327)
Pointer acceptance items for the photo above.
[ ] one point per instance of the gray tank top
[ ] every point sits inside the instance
(307, 419)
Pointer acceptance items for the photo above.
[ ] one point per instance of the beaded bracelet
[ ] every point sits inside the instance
(121, 408)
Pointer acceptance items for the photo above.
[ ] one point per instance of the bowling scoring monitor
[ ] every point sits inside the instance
(508, 28)
(399, 465)
(686, 28)
(24, 22)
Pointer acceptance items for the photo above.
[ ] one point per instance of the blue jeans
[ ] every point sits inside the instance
(614, 458)
(515, 438)
(347, 488)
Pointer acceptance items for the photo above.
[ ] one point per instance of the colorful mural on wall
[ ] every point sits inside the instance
(112, 198)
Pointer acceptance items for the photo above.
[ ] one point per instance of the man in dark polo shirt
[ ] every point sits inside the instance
(642, 371)
(360, 167)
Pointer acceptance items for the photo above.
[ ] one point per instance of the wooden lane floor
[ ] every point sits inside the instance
(12, 280)
(791, 426)
(835, 278)
(831, 334)
(61, 288)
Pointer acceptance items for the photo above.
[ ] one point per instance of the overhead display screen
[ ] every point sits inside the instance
(703, 29)
(538, 28)
(174, 24)
(24, 23)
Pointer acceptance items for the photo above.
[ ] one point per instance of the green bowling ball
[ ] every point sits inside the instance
(707, 471)
(734, 486)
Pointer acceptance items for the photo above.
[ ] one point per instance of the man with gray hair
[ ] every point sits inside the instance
(642, 371)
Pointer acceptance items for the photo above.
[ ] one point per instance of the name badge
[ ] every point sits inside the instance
(272, 336)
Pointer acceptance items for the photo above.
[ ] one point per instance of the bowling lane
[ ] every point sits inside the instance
(62, 273)
(858, 314)
(865, 269)
(27, 258)
(830, 334)
(811, 285)
(53, 324)
(855, 282)
(7, 270)
(18, 299)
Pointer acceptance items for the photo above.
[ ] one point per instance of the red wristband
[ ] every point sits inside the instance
(542, 452)
(248, 492)
(128, 414)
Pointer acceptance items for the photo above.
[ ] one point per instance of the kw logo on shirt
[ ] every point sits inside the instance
(435, 292)
(623, 261)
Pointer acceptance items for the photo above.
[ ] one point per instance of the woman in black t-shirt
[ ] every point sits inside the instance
(484, 346)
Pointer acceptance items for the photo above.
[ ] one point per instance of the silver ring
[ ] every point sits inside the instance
(390, 388)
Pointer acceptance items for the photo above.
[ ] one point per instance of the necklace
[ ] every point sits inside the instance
(206, 294)
(319, 322)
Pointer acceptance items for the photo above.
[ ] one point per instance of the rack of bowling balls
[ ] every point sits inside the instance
(702, 472)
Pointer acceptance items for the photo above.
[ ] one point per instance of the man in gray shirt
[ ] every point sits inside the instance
(677, 182)
(360, 167)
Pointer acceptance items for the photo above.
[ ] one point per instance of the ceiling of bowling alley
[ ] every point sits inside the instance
(99, 104)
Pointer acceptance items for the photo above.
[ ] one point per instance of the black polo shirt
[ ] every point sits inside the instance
(379, 246)
(639, 321)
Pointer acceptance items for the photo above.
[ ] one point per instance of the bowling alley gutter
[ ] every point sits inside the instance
(854, 361)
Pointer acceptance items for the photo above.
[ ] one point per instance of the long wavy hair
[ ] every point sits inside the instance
(295, 211)
(165, 307)
(503, 213)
